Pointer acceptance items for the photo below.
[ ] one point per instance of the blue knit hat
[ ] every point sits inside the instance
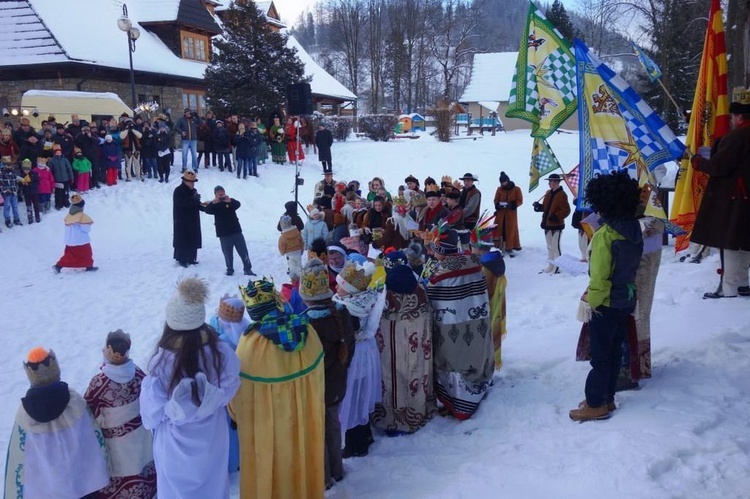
(400, 279)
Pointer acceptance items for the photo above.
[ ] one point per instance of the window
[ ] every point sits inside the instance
(195, 100)
(194, 46)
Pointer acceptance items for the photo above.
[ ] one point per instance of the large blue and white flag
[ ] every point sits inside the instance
(618, 130)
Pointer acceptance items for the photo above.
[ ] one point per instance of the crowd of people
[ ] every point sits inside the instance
(39, 166)
(394, 312)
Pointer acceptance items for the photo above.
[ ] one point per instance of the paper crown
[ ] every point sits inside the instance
(431, 188)
(446, 180)
(260, 292)
(313, 282)
(741, 95)
(355, 278)
(419, 199)
(481, 235)
(230, 309)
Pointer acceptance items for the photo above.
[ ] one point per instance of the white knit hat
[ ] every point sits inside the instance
(187, 308)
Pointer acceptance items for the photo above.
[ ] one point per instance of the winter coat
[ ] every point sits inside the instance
(149, 144)
(186, 220)
(429, 218)
(391, 237)
(455, 218)
(333, 329)
(66, 143)
(247, 144)
(313, 230)
(9, 148)
(9, 180)
(163, 141)
(46, 180)
(81, 165)
(506, 217)
(324, 141)
(30, 183)
(555, 208)
(88, 145)
(131, 140)
(61, 169)
(374, 219)
(724, 214)
(225, 217)
(188, 129)
(292, 212)
(615, 255)
(222, 141)
(110, 155)
(290, 240)
(322, 188)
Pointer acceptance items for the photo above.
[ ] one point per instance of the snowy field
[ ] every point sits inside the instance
(686, 433)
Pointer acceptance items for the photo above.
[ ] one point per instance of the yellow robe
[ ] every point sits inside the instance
(280, 415)
(496, 291)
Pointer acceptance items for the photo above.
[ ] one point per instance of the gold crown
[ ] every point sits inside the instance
(314, 284)
(260, 292)
(400, 201)
(741, 95)
(431, 187)
(356, 277)
(419, 199)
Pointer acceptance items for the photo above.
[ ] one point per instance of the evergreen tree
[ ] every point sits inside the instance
(559, 18)
(251, 66)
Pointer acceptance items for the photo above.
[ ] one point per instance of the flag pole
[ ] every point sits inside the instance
(679, 109)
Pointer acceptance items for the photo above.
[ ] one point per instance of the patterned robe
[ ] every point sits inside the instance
(462, 339)
(117, 410)
(405, 343)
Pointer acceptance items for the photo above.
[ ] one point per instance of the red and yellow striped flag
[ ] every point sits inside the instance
(709, 120)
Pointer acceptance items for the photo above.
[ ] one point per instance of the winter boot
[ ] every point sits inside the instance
(584, 412)
(56, 268)
(92, 269)
(29, 216)
(17, 222)
(38, 218)
(48, 206)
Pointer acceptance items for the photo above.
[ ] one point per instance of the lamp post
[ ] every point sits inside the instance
(124, 23)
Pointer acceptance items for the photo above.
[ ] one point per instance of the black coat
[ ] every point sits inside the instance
(330, 334)
(324, 141)
(186, 208)
(225, 217)
(221, 140)
(149, 143)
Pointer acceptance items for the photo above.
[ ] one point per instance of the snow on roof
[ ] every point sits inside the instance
(491, 77)
(322, 83)
(24, 39)
(157, 10)
(87, 31)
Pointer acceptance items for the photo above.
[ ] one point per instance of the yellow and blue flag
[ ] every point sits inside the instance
(544, 87)
(652, 69)
(618, 130)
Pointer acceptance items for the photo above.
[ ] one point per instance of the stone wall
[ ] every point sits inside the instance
(168, 97)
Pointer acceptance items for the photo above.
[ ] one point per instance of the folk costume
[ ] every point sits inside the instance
(56, 449)
(293, 143)
(336, 332)
(280, 406)
(230, 322)
(462, 335)
(508, 197)
(405, 343)
(113, 396)
(186, 221)
(191, 442)
(363, 383)
(78, 252)
(554, 208)
(278, 147)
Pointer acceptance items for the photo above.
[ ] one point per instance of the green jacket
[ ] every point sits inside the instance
(616, 250)
(82, 165)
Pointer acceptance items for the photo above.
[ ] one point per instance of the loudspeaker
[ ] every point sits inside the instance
(299, 99)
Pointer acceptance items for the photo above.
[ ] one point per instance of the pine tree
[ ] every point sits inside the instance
(559, 18)
(251, 66)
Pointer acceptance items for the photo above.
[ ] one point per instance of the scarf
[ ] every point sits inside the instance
(287, 331)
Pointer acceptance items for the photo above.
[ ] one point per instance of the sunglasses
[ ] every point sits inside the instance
(35, 365)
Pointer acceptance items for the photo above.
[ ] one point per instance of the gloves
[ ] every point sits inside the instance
(537, 206)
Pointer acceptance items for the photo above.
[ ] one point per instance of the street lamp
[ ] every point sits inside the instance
(126, 25)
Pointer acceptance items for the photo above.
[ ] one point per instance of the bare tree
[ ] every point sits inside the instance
(348, 21)
(376, 51)
(450, 31)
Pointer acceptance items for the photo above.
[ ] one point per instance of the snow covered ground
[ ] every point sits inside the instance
(684, 434)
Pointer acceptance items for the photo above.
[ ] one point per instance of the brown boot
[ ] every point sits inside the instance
(611, 406)
(586, 413)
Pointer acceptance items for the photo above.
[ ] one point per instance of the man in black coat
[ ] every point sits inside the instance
(228, 229)
(324, 141)
(186, 208)
(89, 143)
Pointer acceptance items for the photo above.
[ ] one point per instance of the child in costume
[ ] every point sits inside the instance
(78, 252)
(192, 377)
(56, 449)
(291, 246)
(363, 384)
(335, 330)
(113, 397)
(230, 322)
